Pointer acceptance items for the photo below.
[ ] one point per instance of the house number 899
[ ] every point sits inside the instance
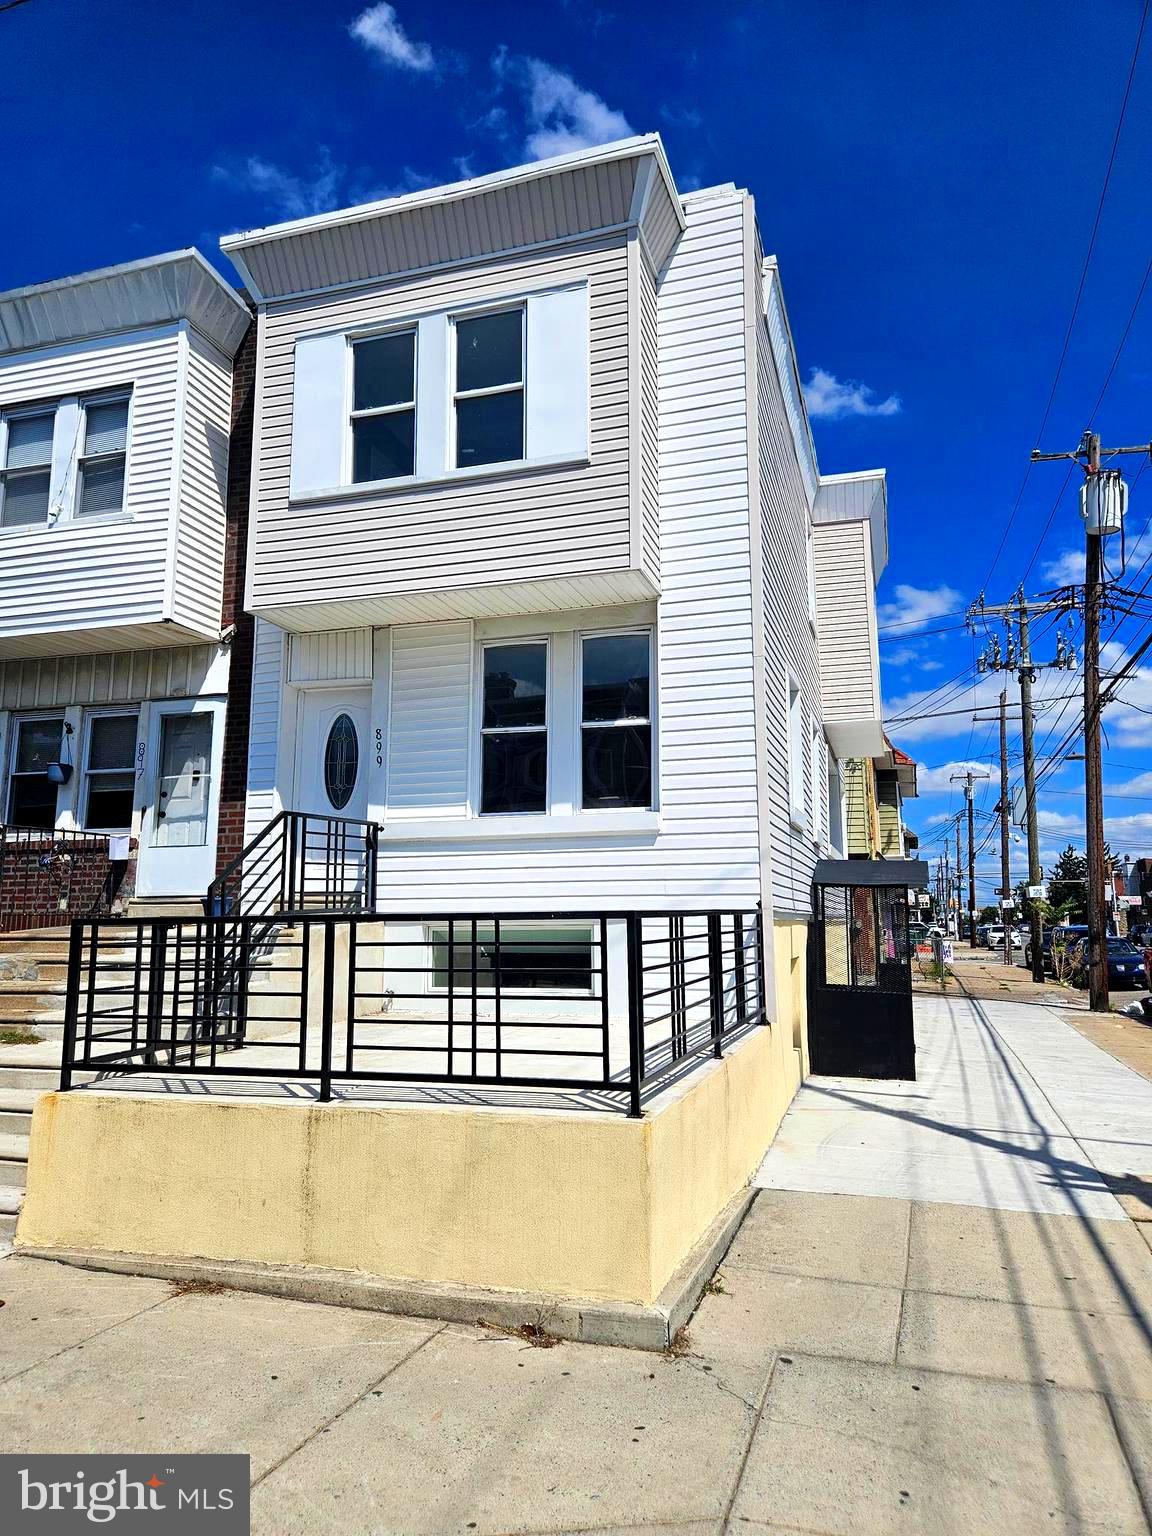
(379, 747)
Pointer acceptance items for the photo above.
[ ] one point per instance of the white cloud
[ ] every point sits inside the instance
(831, 399)
(938, 781)
(561, 116)
(379, 29)
(1068, 567)
(283, 192)
(911, 606)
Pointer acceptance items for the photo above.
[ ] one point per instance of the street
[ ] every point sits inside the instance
(934, 1319)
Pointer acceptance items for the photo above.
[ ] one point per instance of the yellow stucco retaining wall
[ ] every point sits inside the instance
(583, 1205)
(790, 945)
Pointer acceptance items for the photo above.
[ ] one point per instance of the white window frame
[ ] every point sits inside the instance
(810, 557)
(91, 715)
(10, 773)
(351, 415)
(455, 395)
(79, 458)
(17, 413)
(649, 720)
(503, 730)
(794, 736)
(816, 819)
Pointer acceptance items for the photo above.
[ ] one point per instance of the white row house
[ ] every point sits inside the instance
(116, 406)
(547, 581)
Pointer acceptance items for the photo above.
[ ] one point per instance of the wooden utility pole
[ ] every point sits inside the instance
(1103, 501)
(1027, 734)
(959, 880)
(968, 778)
(1005, 812)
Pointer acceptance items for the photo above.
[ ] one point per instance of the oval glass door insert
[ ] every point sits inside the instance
(341, 761)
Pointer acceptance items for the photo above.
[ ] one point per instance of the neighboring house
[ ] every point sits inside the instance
(547, 581)
(119, 547)
(875, 791)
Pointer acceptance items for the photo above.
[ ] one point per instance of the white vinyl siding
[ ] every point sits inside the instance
(789, 644)
(556, 420)
(198, 568)
(845, 622)
(330, 656)
(429, 720)
(532, 526)
(100, 583)
(267, 781)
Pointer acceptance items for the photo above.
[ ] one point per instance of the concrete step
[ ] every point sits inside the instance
(35, 1080)
(10, 1200)
(7, 1227)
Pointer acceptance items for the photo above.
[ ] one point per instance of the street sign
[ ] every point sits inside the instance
(1007, 904)
(1036, 892)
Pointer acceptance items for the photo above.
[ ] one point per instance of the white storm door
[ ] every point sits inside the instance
(181, 798)
(332, 752)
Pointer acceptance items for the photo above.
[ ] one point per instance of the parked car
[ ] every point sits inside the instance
(1067, 934)
(1125, 964)
(996, 937)
(982, 934)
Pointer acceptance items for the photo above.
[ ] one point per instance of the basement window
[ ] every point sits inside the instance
(529, 958)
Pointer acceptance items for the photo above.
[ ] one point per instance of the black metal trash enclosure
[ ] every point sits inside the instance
(615, 1002)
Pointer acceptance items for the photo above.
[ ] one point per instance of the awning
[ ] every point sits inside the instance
(905, 872)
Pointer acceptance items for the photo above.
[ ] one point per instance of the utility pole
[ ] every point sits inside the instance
(1019, 660)
(968, 778)
(1005, 810)
(947, 889)
(959, 881)
(1103, 502)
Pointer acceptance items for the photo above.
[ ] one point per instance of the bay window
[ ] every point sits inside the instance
(616, 720)
(514, 728)
(384, 407)
(489, 395)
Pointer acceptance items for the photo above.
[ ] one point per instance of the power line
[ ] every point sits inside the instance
(1079, 295)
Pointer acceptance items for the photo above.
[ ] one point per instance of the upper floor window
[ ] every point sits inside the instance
(489, 394)
(100, 474)
(26, 477)
(384, 407)
(795, 754)
(64, 459)
(616, 721)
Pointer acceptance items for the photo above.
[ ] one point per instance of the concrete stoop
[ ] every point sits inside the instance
(586, 1321)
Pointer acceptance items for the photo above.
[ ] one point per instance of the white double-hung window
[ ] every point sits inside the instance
(63, 459)
(514, 728)
(489, 396)
(616, 720)
(100, 471)
(384, 407)
(439, 395)
(26, 476)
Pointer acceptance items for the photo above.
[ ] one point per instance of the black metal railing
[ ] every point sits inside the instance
(52, 875)
(300, 862)
(615, 1002)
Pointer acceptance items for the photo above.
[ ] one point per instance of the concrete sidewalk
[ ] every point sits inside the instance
(1012, 1109)
(862, 1365)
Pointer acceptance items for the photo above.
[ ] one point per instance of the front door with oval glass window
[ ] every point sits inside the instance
(332, 752)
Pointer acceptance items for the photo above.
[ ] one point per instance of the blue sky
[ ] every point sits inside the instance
(927, 175)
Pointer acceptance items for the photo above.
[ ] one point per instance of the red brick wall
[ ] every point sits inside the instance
(46, 881)
(234, 773)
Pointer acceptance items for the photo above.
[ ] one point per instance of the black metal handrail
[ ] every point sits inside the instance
(40, 882)
(629, 1001)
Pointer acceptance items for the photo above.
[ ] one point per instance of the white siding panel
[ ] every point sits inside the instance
(198, 578)
(849, 656)
(790, 644)
(79, 575)
(429, 720)
(120, 677)
(330, 656)
(556, 408)
(265, 793)
(319, 404)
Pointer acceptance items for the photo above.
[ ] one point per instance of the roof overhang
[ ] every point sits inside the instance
(855, 738)
(861, 496)
(160, 290)
(912, 873)
(612, 187)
